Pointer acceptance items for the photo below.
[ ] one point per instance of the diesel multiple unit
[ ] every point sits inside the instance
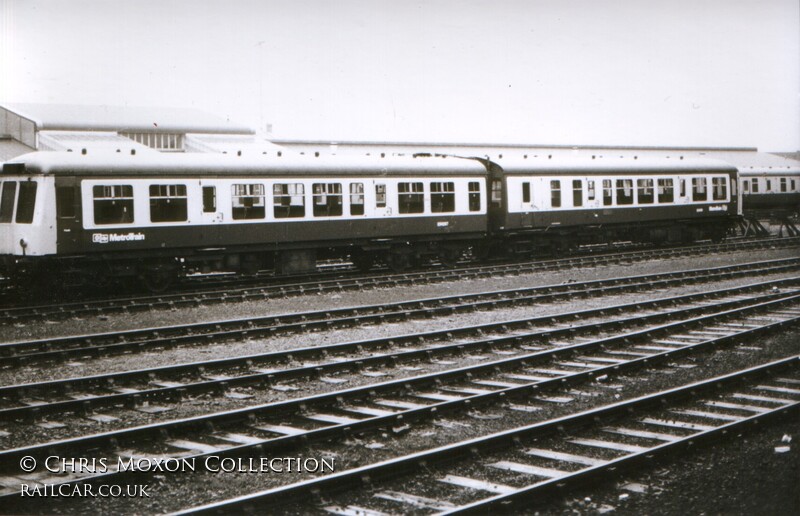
(89, 218)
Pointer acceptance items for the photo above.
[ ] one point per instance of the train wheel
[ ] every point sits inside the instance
(398, 262)
(159, 277)
(450, 257)
(158, 281)
(362, 260)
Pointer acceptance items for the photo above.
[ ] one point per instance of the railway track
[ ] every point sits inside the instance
(326, 363)
(41, 350)
(520, 382)
(499, 471)
(233, 290)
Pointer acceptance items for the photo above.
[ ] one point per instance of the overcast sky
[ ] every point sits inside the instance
(606, 72)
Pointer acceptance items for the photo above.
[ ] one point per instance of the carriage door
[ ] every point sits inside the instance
(68, 213)
(210, 194)
(382, 207)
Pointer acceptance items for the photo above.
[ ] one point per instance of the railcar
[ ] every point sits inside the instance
(557, 203)
(770, 189)
(773, 194)
(90, 218)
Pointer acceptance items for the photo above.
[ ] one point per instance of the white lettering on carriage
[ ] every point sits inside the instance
(104, 238)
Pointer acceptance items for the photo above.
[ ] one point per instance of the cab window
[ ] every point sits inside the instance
(7, 200)
(26, 202)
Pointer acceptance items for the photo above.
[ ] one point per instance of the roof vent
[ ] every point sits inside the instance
(383, 154)
(593, 156)
(681, 157)
(499, 156)
(83, 152)
(69, 150)
(238, 153)
(525, 156)
(118, 150)
(549, 156)
(636, 157)
(133, 152)
(316, 154)
(280, 154)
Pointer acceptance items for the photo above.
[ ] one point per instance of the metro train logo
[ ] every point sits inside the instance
(104, 238)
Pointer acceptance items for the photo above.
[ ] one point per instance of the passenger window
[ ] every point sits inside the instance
(720, 190)
(289, 200)
(555, 193)
(699, 189)
(497, 193)
(645, 187)
(327, 199)
(608, 193)
(113, 204)
(577, 193)
(769, 186)
(755, 185)
(624, 191)
(683, 187)
(746, 186)
(410, 198)
(65, 202)
(443, 198)
(474, 196)
(783, 184)
(209, 199)
(526, 192)
(793, 185)
(590, 193)
(356, 198)
(26, 202)
(380, 196)
(247, 202)
(665, 191)
(168, 203)
(7, 201)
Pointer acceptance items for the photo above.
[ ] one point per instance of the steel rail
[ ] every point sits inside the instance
(369, 475)
(114, 439)
(392, 357)
(16, 314)
(60, 348)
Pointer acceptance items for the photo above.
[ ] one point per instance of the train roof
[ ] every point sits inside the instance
(163, 164)
(787, 171)
(627, 165)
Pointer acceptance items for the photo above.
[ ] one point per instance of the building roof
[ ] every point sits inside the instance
(229, 144)
(10, 148)
(72, 117)
(92, 141)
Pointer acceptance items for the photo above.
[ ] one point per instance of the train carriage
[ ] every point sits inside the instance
(770, 189)
(563, 201)
(147, 215)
